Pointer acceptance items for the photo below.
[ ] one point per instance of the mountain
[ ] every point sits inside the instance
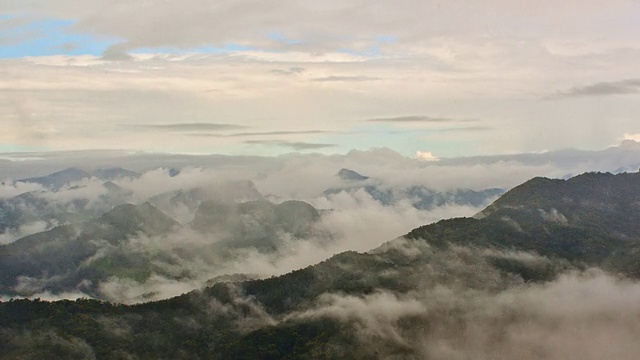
(182, 204)
(37, 209)
(114, 173)
(59, 179)
(128, 219)
(57, 259)
(590, 220)
(137, 242)
(504, 284)
(257, 223)
(350, 175)
(421, 197)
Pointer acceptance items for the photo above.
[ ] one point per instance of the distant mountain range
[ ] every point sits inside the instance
(39, 206)
(62, 254)
(420, 197)
(430, 293)
(59, 179)
(81, 256)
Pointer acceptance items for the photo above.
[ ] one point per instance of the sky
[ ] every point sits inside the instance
(428, 79)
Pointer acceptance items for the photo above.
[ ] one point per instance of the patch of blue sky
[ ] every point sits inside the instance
(278, 37)
(12, 148)
(405, 141)
(45, 37)
(373, 50)
(385, 39)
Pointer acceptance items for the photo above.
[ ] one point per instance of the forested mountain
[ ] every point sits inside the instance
(135, 242)
(518, 280)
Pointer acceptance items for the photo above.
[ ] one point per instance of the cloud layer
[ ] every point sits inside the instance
(297, 68)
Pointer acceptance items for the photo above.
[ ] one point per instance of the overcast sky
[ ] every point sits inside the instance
(425, 78)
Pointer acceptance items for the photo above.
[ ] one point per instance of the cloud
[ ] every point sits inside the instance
(44, 342)
(426, 156)
(191, 127)
(290, 71)
(622, 87)
(268, 133)
(634, 137)
(459, 64)
(463, 129)
(295, 145)
(10, 189)
(117, 52)
(345, 78)
(10, 235)
(161, 180)
(86, 103)
(588, 315)
(412, 119)
(197, 23)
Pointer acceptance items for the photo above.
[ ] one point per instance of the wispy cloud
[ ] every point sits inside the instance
(295, 145)
(622, 87)
(290, 71)
(412, 119)
(266, 133)
(464, 129)
(191, 127)
(345, 78)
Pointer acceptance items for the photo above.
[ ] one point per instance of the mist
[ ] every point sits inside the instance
(581, 315)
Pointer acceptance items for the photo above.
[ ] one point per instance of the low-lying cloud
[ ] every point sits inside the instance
(588, 315)
(295, 145)
(412, 119)
(191, 127)
(10, 189)
(622, 87)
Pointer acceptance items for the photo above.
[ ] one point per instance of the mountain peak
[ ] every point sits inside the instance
(58, 179)
(350, 175)
(129, 218)
(580, 199)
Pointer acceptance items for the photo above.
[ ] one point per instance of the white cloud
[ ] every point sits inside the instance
(10, 235)
(10, 189)
(426, 156)
(634, 137)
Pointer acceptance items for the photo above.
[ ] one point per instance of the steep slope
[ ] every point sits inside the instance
(591, 219)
